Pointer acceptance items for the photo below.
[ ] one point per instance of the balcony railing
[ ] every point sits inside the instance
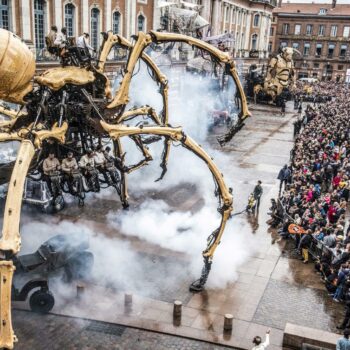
(311, 37)
(42, 55)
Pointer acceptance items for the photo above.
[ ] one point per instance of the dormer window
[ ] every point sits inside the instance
(323, 11)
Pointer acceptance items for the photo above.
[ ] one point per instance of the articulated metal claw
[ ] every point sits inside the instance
(229, 135)
(198, 285)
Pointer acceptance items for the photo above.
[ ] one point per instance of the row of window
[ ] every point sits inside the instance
(4, 14)
(238, 15)
(319, 49)
(40, 20)
(309, 30)
(317, 66)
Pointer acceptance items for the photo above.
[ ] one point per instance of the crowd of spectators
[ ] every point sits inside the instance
(315, 189)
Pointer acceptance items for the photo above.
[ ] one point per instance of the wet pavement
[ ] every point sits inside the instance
(267, 289)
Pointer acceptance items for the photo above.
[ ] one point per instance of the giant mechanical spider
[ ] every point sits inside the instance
(73, 106)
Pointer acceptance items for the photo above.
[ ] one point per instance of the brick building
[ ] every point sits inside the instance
(32, 19)
(321, 32)
(248, 20)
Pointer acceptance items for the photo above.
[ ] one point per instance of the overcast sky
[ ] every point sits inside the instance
(318, 1)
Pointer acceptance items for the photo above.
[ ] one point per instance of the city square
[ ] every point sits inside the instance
(179, 181)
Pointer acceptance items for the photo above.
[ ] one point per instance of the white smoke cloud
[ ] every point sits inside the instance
(155, 221)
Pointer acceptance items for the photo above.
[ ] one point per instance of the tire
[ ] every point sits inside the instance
(41, 301)
(80, 266)
(59, 203)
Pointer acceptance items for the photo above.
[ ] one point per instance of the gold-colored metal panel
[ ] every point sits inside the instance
(56, 78)
(11, 113)
(7, 337)
(58, 133)
(17, 68)
(122, 95)
(11, 239)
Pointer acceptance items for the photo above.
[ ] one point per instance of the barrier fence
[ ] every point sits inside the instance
(317, 248)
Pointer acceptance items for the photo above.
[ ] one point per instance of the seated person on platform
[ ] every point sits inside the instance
(61, 41)
(87, 164)
(50, 41)
(87, 160)
(111, 165)
(51, 166)
(100, 163)
(84, 47)
(70, 169)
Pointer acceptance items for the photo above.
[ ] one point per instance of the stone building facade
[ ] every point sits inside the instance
(321, 32)
(32, 19)
(249, 22)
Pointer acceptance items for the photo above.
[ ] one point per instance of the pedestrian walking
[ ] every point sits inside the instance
(297, 126)
(284, 176)
(258, 191)
(304, 246)
(300, 108)
(283, 108)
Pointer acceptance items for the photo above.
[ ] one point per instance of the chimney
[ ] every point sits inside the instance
(334, 3)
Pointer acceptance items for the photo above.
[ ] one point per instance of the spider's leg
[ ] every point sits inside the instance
(223, 192)
(165, 158)
(11, 113)
(146, 154)
(12, 136)
(135, 112)
(151, 113)
(144, 40)
(10, 241)
(6, 125)
(119, 154)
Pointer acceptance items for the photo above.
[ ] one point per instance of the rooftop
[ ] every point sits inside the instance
(314, 9)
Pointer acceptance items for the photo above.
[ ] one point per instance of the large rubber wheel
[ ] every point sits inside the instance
(59, 203)
(41, 301)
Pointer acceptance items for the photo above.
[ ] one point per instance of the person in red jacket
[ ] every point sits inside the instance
(331, 214)
(336, 181)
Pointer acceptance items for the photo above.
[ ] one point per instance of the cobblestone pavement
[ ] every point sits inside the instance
(58, 333)
(297, 304)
